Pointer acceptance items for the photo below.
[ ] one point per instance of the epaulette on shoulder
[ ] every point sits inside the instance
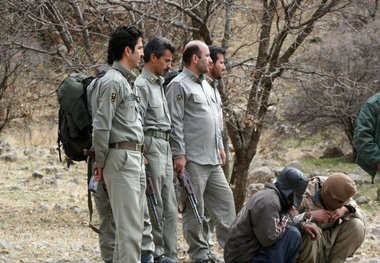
(179, 77)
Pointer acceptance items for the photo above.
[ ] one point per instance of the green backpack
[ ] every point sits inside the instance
(74, 119)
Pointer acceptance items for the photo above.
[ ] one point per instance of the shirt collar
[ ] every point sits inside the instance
(128, 74)
(193, 77)
(213, 82)
(151, 77)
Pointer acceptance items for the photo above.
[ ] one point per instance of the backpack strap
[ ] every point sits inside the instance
(59, 141)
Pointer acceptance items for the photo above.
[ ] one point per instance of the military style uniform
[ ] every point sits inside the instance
(103, 206)
(196, 134)
(208, 225)
(157, 126)
(340, 239)
(117, 140)
(217, 102)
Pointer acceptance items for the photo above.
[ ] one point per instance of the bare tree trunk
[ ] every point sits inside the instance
(240, 173)
(60, 24)
(85, 33)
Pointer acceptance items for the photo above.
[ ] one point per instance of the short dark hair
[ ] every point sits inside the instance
(110, 57)
(189, 52)
(157, 46)
(122, 37)
(214, 51)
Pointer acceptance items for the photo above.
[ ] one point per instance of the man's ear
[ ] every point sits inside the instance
(127, 51)
(153, 57)
(195, 58)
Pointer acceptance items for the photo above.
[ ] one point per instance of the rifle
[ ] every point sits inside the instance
(92, 183)
(188, 187)
(151, 195)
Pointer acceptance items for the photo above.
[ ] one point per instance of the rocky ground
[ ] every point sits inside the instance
(44, 215)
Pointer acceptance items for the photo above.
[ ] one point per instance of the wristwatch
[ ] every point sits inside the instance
(308, 217)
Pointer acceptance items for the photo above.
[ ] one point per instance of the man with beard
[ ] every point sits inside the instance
(213, 77)
(195, 142)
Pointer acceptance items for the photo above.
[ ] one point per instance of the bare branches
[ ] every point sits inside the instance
(18, 45)
(83, 26)
(60, 23)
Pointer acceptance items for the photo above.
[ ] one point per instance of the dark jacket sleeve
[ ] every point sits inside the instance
(366, 135)
(269, 223)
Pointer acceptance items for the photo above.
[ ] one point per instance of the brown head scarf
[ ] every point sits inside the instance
(337, 189)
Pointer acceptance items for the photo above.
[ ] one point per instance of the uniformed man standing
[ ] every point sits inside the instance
(213, 76)
(117, 140)
(158, 54)
(195, 141)
(101, 198)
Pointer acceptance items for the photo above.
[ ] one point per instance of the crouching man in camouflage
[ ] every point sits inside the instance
(328, 203)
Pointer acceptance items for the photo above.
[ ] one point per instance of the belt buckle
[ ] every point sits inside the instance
(167, 136)
(154, 133)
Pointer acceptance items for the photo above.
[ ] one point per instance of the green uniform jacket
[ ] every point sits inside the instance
(366, 136)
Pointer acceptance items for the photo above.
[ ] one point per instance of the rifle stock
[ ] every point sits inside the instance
(186, 184)
(151, 195)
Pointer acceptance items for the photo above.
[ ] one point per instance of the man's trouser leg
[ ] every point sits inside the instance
(310, 250)
(343, 240)
(219, 202)
(335, 244)
(158, 154)
(147, 245)
(212, 191)
(192, 229)
(125, 180)
(284, 251)
(208, 229)
(106, 223)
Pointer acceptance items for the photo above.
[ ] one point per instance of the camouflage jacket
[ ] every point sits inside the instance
(311, 202)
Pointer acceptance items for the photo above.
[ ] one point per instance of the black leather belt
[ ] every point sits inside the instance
(158, 134)
(128, 146)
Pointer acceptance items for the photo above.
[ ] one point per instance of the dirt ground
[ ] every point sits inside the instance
(44, 215)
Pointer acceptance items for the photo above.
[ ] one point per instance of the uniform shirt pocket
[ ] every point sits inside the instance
(156, 108)
(130, 108)
(200, 105)
(199, 99)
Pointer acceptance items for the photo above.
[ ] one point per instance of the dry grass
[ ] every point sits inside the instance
(46, 219)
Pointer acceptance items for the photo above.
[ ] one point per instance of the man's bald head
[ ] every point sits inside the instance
(194, 43)
(191, 48)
